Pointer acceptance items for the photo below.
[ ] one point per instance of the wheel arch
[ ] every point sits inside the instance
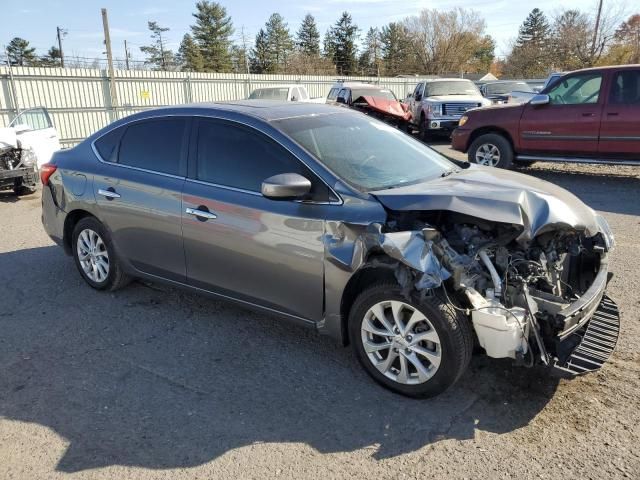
(378, 268)
(490, 129)
(70, 221)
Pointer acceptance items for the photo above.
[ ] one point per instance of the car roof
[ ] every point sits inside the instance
(352, 84)
(285, 85)
(605, 68)
(267, 110)
(432, 80)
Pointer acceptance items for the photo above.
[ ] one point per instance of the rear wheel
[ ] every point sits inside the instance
(418, 347)
(425, 134)
(96, 257)
(491, 150)
(20, 188)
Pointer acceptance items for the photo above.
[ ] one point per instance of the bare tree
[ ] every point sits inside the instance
(446, 41)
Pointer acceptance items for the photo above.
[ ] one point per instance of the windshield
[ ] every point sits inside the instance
(464, 87)
(364, 152)
(270, 94)
(504, 88)
(372, 92)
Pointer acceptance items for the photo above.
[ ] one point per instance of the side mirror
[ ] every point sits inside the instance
(418, 97)
(294, 99)
(341, 100)
(410, 94)
(286, 186)
(539, 99)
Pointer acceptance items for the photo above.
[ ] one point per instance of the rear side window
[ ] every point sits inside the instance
(625, 89)
(107, 145)
(333, 94)
(155, 145)
(240, 157)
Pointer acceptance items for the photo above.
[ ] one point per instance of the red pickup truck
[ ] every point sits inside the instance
(586, 116)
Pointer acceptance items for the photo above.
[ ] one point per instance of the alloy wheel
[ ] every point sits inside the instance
(487, 154)
(401, 342)
(93, 255)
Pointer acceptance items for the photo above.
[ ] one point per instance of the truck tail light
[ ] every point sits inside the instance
(46, 171)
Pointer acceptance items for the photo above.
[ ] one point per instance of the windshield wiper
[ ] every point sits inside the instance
(449, 172)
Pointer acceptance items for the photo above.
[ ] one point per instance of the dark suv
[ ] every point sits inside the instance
(586, 116)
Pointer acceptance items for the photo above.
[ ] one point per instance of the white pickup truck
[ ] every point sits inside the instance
(285, 93)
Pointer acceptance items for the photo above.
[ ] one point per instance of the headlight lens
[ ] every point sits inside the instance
(605, 229)
(463, 120)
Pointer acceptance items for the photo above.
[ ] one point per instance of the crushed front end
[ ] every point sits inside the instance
(539, 299)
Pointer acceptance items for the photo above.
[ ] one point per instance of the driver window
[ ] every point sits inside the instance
(344, 93)
(418, 90)
(35, 119)
(576, 90)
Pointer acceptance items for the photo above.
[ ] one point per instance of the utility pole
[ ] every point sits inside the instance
(126, 54)
(595, 31)
(60, 33)
(246, 61)
(107, 42)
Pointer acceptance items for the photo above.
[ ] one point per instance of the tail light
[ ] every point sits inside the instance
(46, 171)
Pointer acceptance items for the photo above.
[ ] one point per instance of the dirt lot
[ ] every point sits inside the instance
(151, 382)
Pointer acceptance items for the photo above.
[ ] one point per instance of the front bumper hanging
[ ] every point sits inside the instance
(588, 348)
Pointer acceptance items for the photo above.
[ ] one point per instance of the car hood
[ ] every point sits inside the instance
(498, 196)
(455, 98)
(383, 105)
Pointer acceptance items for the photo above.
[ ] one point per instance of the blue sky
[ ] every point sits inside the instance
(36, 20)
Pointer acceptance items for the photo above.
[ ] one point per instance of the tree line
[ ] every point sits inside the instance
(432, 42)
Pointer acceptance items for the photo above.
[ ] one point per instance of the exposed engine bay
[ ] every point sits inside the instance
(18, 166)
(519, 294)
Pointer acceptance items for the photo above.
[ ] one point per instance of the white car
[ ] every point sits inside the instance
(26, 144)
(285, 93)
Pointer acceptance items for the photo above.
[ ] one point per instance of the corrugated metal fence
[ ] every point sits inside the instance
(80, 100)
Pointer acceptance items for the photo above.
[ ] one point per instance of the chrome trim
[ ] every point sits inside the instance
(539, 158)
(550, 136)
(108, 193)
(225, 187)
(129, 166)
(201, 213)
(214, 117)
(621, 138)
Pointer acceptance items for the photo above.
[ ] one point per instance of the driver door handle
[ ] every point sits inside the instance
(201, 213)
(109, 194)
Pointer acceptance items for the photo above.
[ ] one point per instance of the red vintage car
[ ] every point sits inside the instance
(586, 116)
(373, 100)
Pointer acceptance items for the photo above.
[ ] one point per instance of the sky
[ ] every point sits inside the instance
(36, 20)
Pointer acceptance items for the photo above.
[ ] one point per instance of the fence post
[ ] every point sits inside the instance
(13, 91)
(106, 91)
(188, 93)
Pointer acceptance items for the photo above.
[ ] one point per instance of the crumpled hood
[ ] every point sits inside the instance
(8, 138)
(499, 196)
(384, 105)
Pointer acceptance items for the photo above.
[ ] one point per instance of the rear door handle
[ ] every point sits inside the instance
(588, 114)
(612, 114)
(205, 214)
(109, 193)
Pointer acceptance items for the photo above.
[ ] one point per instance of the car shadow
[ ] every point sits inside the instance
(7, 196)
(153, 377)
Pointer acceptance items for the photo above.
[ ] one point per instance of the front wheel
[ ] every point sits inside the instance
(415, 346)
(491, 150)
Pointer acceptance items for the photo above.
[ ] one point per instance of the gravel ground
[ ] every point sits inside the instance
(151, 382)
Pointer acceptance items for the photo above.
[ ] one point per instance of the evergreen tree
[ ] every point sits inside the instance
(52, 58)
(189, 55)
(396, 49)
(239, 59)
(532, 50)
(260, 56)
(212, 32)
(279, 42)
(308, 36)
(340, 45)
(20, 53)
(158, 56)
(371, 56)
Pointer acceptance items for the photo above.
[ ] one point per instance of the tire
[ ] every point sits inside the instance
(492, 150)
(423, 130)
(449, 343)
(93, 269)
(22, 190)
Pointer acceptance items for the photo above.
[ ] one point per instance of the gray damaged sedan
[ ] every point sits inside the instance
(334, 220)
